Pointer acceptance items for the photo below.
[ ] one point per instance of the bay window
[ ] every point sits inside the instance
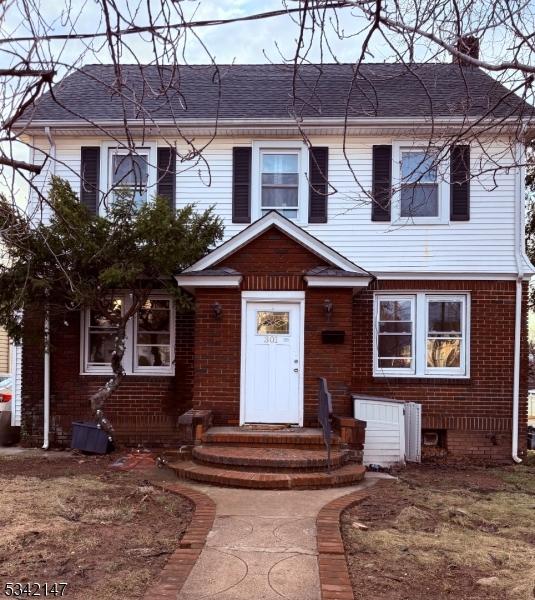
(421, 334)
(149, 338)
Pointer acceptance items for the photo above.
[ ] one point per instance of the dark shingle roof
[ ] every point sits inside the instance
(265, 91)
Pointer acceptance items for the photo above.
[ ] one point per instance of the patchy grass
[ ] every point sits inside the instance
(445, 533)
(70, 519)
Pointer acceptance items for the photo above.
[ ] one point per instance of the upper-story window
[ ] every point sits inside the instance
(421, 194)
(129, 173)
(419, 184)
(280, 182)
(280, 179)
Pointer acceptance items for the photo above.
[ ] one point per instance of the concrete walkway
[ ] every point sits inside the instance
(262, 545)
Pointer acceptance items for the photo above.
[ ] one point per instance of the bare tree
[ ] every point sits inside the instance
(148, 46)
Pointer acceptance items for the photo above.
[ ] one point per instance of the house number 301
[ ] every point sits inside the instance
(270, 339)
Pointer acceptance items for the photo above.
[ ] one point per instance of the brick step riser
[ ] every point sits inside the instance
(267, 468)
(229, 481)
(308, 445)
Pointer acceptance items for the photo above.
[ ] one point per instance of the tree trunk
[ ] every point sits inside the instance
(100, 397)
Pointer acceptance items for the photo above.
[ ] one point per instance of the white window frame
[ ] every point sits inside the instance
(131, 340)
(420, 327)
(443, 186)
(392, 370)
(283, 146)
(106, 148)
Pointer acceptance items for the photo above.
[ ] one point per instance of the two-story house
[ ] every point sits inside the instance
(376, 241)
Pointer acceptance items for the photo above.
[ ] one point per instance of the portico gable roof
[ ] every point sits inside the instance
(293, 231)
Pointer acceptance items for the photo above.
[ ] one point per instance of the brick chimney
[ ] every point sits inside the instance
(469, 45)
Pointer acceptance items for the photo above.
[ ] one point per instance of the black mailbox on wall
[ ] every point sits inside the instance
(333, 337)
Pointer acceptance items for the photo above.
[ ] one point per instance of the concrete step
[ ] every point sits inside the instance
(348, 474)
(268, 459)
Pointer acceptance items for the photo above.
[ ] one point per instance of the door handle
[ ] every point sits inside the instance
(296, 370)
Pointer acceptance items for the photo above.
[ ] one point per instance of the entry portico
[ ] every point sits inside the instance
(273, 313)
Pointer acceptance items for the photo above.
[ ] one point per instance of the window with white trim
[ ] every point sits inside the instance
(280, 179)
(421, 334)
(419, 184)
(421, 190)
(150, 338)
(129, 173)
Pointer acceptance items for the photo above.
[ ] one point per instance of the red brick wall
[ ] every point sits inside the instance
(217, 354)
(144, 409)
(273, 261)
(332, 361)
(481, 404)
(475, 412)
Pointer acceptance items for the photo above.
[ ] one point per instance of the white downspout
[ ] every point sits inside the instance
(46, 353)
(46, 390)
(519, 256)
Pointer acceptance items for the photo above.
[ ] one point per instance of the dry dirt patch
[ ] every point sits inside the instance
(70, 519)
(445, 533)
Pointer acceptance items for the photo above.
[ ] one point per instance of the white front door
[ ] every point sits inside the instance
(272, 370)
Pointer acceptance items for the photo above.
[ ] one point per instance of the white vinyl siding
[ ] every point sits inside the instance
(5, 358)
(16, 390)
(484, 244)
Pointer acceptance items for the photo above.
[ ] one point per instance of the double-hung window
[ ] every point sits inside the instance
(419, 184)
(129, 173)
(280, 180)
(149, 344)
(421, 334)
(420, 188)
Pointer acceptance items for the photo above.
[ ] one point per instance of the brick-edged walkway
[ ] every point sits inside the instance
(178, 568)
(334, 574)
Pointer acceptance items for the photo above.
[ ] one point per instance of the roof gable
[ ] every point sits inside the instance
(289, 228)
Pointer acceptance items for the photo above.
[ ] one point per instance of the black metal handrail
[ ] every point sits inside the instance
(325, 411)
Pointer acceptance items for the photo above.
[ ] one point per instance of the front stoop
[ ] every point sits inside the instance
(286, 459)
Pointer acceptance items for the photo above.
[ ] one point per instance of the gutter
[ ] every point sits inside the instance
(46, 353)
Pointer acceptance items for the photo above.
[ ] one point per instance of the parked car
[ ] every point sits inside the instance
(8, 434)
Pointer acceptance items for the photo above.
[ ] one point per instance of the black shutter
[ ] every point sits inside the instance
(89, 177)
(460, 183)
(382, 183)
(241, 184)
(167, 174)
(318, 173)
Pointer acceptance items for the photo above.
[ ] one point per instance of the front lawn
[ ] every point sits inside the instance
(67, 518)
(442, 532)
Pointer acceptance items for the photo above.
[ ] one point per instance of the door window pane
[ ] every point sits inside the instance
(153, 340)
(419, 185)
(270, 322)
(444, 334)
(395, 329)
(280, 183)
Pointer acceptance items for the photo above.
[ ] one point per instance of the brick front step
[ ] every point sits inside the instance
(347, 475)
(267, 459)
(306, 438)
